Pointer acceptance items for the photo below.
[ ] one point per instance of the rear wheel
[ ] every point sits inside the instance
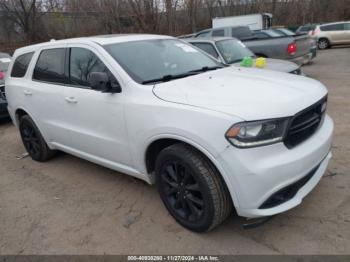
(323, 44)
(191, 188)
(33, 140)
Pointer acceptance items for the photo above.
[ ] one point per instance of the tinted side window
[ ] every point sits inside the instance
(50, 66)
(208, 48)
(347, 26)
(220, 32)
(337, 27)
(21, 64)
(82, 63)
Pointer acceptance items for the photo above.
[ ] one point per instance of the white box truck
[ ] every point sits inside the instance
(254, 21)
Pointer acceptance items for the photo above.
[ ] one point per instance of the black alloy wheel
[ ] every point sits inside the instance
(191, 188)
(33, 141)
(182, 191)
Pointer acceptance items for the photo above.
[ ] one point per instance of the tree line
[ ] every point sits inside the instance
(41, 20)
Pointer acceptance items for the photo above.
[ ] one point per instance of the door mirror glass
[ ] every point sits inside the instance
(101, 82)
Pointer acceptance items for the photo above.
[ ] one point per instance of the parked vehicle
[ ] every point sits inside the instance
(254, 21)
(306, 29)
(312, 39)
(332, 34)
(4, 63)
(231, 51)
(287, 48)
(158, 109)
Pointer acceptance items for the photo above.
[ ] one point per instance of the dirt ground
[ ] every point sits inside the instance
(70, 206)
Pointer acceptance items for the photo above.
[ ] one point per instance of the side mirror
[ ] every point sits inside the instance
(100, 81)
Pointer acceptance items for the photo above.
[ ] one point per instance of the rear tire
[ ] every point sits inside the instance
(191, 188)
(323, 44)
(33, 141)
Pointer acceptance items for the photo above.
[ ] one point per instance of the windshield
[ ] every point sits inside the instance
(233, 51)
(150, 60)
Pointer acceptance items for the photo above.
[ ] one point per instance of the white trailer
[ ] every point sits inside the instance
(254, 21)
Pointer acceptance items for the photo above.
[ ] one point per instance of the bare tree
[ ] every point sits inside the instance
(23, 13)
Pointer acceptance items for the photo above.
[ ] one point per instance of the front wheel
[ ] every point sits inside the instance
(323, 44)
(191, 188)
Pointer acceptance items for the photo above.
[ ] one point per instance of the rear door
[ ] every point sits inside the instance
(335, 32)
(95, 119)
(44, 94)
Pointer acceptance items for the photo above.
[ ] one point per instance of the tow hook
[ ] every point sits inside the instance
(256, 222)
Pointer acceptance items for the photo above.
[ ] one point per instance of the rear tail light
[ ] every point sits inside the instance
(292, 49)
(2, 75)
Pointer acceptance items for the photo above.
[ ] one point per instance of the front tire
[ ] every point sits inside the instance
(323, 44)
(33, 141)
(191, 188)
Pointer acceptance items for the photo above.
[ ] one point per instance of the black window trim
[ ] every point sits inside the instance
(14, 62)
(37, 59)
(66, 68)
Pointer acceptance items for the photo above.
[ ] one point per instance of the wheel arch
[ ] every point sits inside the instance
(157, 145)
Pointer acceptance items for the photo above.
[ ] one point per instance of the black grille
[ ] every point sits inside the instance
(288, 192)
(2, 92)
(305, 124)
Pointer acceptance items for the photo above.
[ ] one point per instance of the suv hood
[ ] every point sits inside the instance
(248, 93)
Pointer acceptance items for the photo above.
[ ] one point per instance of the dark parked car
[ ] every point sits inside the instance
(5, 60)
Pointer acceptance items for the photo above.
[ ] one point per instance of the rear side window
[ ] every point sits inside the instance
(336, 27)
(82, 63)
(208, 48)
(21, 64)
(220, 32)
(347, 26)
(50, 66)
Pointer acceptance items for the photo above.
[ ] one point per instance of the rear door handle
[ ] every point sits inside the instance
(27, 93)
(71, 100)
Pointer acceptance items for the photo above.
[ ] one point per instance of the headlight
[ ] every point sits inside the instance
(257, 133)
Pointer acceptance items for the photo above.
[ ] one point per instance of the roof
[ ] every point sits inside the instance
(101, 39)
(208, 39)
(335, 23)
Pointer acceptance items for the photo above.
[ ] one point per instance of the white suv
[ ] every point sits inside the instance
(153, 107)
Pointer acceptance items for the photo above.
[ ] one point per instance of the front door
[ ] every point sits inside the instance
(95, 119)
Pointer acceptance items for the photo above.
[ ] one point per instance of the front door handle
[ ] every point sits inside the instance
(71, 100)
(27, 93)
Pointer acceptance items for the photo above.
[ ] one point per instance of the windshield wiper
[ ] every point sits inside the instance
(168, 78)
(206, 68)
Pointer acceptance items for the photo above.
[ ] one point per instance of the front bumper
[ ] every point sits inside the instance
(254, 175)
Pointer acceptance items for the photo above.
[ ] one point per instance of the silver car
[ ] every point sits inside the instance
(231, 51)
(332, 34)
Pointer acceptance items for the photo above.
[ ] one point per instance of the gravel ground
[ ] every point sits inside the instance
(70, 206)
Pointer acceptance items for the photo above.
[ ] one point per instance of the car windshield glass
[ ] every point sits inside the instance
(160, 60)
(233, 51)
(287, 32)
(273, 33)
